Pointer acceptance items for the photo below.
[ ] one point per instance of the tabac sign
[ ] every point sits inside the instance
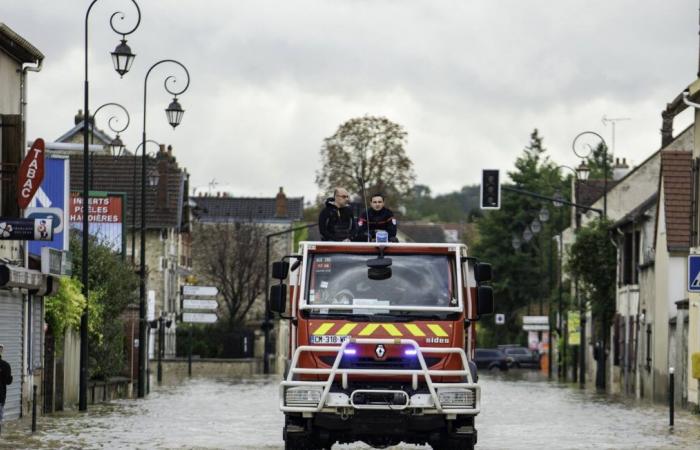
(31, 174)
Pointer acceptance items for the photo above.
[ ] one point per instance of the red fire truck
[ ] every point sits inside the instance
(381, 342)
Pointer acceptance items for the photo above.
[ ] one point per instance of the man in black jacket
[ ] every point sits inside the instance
(380, 218)
(336, 222)
(5, 379)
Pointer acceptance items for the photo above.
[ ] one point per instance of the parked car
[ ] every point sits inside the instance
(521, 356)
(491, 359)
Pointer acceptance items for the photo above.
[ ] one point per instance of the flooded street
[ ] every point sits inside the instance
(520, 411)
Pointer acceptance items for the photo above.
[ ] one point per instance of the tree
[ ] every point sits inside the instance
(232, 257)
(521, 276)
(113, 286)
(369, 149)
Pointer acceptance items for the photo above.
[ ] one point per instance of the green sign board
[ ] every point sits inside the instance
(574, 328)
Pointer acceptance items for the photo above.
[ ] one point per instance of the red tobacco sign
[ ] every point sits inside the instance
(31, 174)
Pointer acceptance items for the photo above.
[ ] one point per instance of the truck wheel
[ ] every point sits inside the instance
(301, 443)
(456, 444)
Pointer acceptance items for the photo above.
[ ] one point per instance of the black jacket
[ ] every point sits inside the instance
(378, 220)
(5, 379)
(336, 224)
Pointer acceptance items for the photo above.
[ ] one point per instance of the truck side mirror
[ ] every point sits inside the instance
(484, 301)
(482, 272)
(278, 298)
(280, 270)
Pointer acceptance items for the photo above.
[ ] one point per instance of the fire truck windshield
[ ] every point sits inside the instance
(338, 283)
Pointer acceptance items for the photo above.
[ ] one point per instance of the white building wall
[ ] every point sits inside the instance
(10, 79)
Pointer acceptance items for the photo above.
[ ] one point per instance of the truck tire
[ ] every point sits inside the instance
(457, 444)
(301, 443)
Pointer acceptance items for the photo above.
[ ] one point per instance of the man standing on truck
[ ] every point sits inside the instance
(336, 221)
(378, 217)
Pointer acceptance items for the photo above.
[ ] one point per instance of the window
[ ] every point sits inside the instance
(416, 280)
(11, 157)
(630, 258)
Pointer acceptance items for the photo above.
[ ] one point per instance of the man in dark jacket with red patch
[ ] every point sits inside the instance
(380, 218)
(336, 222)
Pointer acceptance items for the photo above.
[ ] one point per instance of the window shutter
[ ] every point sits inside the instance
(11, 149)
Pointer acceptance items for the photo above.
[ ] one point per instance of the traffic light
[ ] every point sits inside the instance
(490, 189)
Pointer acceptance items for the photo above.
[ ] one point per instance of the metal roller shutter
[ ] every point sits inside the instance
(11, 338)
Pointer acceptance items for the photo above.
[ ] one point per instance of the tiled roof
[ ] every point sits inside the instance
(591, 190)
(677, 182)
(164, 202)
(18, 47)
(100, 137)
(228, 209)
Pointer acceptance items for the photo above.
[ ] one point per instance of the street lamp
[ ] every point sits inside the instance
(122, 60)
(133, 200)
(580, 174)
(116, 146)
(174, 114)
(583, 169)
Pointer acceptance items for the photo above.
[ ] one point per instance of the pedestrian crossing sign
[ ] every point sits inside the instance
(693, 273)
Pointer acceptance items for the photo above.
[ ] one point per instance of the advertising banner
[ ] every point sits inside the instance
(25, 229)
(574, 324)
(105, 217)
(50, 201)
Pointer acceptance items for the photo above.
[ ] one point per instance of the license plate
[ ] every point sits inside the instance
(330, 339)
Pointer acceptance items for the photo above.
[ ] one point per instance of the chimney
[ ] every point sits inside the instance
(170, 151)
(78, 117)
(281, 204)
(620, 169)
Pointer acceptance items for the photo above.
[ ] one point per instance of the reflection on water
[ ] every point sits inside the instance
(520, 410)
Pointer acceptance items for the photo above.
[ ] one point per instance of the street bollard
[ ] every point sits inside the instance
(671, 388)
(34, 410)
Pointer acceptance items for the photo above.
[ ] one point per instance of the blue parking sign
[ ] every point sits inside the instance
(693, 273)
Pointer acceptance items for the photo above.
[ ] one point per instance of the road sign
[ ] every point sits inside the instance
(30, 174)
(500, 319)
(190, 303)
(199, 291)
(693, 273)
(51, 199)
(535, 323)
(199, 317)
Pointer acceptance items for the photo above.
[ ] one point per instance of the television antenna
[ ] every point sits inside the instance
(614, 121)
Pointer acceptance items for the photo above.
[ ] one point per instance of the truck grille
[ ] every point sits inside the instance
(371, 363)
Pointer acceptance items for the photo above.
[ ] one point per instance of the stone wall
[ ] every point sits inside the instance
(176, 369)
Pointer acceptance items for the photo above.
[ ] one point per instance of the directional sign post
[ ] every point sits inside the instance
(198, 310)
(191, 303)
(199, 317)
(199, 291)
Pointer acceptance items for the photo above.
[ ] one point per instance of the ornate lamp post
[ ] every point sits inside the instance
(133, 201)
(123, 58)
(583, 169)
(174, 114)
(116, 146)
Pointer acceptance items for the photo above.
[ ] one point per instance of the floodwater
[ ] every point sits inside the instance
(520, 410)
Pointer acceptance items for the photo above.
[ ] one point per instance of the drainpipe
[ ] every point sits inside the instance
(677, 106)
(36, 67)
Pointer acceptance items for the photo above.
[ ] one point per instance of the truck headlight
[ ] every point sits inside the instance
(457, 398)
(303, 395)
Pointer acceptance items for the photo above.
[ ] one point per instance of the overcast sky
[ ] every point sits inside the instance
(467, 79)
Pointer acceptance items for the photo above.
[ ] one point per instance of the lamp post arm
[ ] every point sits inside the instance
(544, 197)
(109, 121)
